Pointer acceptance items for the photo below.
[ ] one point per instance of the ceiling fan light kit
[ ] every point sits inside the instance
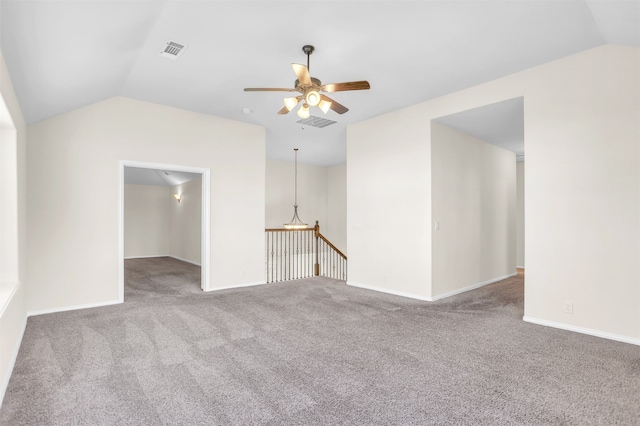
(311, 89)
(290, 103)
(303, 112)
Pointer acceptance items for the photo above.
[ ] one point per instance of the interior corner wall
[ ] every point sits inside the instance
(473, 204)
(185, 228)
(73, 252)
(13, 303)
(582, 189)
(147, 220)
(312, 193)
(520, 214)
(336, 229)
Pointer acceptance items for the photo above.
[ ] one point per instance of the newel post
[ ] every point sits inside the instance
(316, 234)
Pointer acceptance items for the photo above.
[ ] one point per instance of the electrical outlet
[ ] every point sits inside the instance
(568, 307)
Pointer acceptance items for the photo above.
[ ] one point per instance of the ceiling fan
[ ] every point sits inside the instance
(311, 90)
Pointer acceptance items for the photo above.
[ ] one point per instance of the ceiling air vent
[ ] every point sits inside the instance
(314, 121)
(173, 50)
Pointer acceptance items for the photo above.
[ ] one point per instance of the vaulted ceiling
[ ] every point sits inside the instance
(63, 55)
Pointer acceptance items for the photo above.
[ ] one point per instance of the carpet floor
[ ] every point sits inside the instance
(312, 351)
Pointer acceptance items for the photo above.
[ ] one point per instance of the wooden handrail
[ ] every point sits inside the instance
(332, 246)
(286, 230)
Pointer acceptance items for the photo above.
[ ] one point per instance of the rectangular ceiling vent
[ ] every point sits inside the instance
(173, 50)
(314, 121)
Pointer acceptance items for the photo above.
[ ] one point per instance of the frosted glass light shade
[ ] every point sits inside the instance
(313, 97)
(290, 103)
(303, 112)
(324, 106)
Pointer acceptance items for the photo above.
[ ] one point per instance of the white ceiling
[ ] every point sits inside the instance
(64, 55)
(142, 176)
(501, 123)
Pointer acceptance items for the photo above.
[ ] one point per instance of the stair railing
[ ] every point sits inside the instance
(293, 254)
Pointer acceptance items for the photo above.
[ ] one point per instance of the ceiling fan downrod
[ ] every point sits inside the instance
(308, 50)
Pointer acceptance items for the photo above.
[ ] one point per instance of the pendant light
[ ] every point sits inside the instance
(295, 223)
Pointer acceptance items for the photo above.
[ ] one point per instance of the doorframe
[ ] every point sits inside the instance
(205, 234)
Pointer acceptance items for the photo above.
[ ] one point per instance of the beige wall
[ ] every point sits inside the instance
(312, 193)
(336, 229)
(389, 203)
(473, 207)
(13, 308)
(582, 121)
(186, 222)
(147, 220)
(520, 214)
(155, 224)
(321, 196)
(73, 233)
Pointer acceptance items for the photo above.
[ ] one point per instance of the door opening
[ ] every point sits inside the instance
(166, 171)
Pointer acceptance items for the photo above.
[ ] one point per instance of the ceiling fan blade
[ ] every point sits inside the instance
(339, 108)
(350, 85)
(267, 89)
(302, 72)
(283, 111)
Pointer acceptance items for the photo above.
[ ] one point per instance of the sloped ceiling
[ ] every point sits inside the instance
(63, 55)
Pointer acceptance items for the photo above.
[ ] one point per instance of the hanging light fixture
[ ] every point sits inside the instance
(295, 223)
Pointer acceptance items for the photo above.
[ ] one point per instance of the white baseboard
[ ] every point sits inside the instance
(185, 260)
(472, 287)
(236, 286)
(589, 331)
(389, 291)
(72, 308)
(163, 255)
(146, 257)
(520, 267)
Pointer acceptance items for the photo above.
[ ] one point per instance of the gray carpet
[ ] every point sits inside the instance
(312, 351)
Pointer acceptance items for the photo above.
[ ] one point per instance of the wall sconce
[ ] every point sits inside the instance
(178, 197)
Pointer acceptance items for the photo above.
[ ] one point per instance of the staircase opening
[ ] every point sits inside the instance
(293, 254)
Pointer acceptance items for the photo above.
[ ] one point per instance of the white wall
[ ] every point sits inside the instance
(582, 124)
(336, 229)
(13, 309)
(155, 224)
(473, 198)
(73, 233)
(321, 196)
(389, 203)
(582, 183)
(520, 214)
(186, 222)
(312, 193)
(147, 220)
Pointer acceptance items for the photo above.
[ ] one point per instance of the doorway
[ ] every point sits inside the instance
(476, 155)
(169, 172)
